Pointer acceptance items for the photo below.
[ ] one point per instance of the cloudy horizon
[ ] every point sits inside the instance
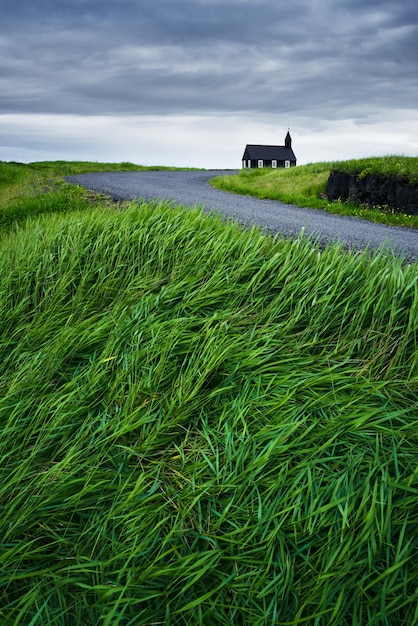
(190, 83)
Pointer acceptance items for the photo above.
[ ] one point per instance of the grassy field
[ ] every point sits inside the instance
(202, 424)
(34, 188)
(305, 185)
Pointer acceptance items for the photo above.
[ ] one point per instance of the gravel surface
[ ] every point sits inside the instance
(192, 189)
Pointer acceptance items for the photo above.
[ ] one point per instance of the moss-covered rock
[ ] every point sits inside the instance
(375, 191)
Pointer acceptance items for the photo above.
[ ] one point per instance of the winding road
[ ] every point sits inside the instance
(191, 188)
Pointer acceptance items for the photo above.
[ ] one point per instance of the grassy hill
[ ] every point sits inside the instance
(305, 185)
(201, 424)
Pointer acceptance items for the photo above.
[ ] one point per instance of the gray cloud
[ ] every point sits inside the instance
(323, 59)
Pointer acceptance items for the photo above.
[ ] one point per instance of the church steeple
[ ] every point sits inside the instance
(288, 141)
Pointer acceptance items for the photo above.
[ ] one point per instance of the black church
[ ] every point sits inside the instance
(256, 156)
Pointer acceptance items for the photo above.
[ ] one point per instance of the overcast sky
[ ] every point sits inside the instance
(190, 82)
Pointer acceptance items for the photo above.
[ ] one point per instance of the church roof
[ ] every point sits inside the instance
(268, 153)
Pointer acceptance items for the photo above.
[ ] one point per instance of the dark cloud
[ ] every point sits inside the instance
(310, 57)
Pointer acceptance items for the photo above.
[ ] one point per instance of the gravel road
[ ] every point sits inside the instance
(191, 188)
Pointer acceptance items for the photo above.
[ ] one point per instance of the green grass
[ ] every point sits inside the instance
(305, 185)
(31, 189)
(201, 424)
(12, 172)
(401, 168)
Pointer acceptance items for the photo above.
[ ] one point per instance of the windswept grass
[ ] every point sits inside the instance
(204, 425)
(305, 185)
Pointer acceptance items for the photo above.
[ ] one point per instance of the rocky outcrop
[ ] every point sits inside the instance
(375, 191)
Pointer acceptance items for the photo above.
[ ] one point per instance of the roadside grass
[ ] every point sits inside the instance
(202, 424)
(305, 186)
(35, 188)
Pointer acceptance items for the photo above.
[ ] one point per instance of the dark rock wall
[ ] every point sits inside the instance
(375, 191)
